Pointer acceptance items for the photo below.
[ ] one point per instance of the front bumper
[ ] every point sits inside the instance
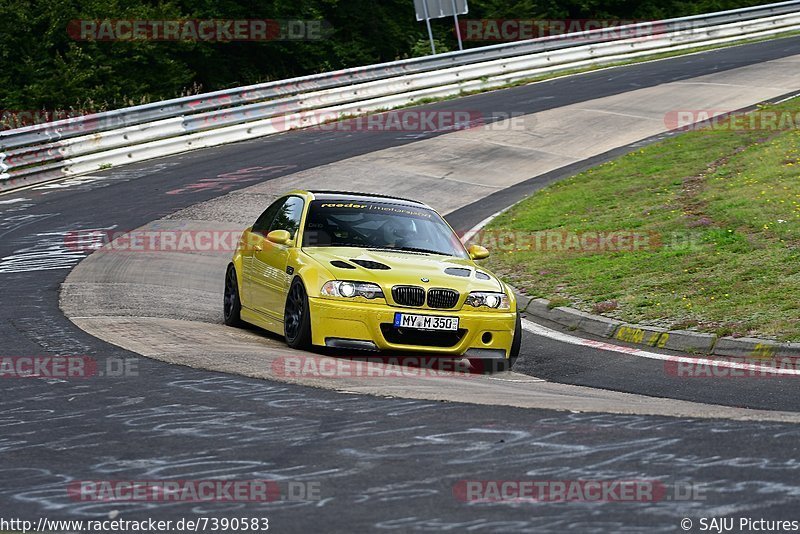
(482, 334)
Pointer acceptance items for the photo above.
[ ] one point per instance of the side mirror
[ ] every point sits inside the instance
(279, 237)
(477, 252)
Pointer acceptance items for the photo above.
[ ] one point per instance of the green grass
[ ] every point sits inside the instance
(726, 206)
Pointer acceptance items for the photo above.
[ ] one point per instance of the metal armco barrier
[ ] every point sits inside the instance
(86, 144)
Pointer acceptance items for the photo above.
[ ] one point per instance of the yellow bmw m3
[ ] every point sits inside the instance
(369, 272)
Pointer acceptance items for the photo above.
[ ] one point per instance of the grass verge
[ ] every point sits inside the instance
(715, 215)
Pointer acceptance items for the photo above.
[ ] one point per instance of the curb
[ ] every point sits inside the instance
(572, 319)
(650, 336)
(755, 348)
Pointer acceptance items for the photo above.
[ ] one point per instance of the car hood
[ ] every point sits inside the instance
(389, 268)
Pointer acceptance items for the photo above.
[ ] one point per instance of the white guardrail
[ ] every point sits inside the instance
(86, 144)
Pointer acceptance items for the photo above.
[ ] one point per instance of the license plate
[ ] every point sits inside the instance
(425, 322)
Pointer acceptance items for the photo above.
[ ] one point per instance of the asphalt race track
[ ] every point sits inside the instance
(381, 463)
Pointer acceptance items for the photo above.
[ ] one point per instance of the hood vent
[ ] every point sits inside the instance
(482, 276)
(374, 265)
(342, 264)
(455, 271)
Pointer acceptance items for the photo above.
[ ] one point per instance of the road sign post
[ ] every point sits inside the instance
(437, 9)
(458, 29)
(427, 14)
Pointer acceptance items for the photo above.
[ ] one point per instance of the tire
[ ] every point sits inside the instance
(498, 366)
(232, 304)
(297, 317)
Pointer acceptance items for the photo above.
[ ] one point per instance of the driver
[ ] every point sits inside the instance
(397, 231)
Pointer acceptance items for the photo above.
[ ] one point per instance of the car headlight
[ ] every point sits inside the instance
(339, 288)
(497, 301)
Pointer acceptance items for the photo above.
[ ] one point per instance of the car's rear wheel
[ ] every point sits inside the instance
(497, 366)
(297, 317)
(232, 309)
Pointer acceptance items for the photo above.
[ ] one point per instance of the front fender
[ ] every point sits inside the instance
(312, 273)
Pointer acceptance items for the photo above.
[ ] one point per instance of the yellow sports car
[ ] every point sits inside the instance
(368, 272)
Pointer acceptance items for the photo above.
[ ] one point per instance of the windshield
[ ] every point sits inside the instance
(379, 225)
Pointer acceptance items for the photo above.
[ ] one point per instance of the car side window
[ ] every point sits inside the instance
(288, 216)
(263, 223)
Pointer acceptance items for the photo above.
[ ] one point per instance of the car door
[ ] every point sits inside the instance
(254, 240)
(270, 279)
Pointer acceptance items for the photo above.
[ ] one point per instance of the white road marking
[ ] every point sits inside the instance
(781, 101)
(543, 331)
(629, 115)
(14, 200)
(710, 83)
(69, 182)
(53, 251)
(470, 234)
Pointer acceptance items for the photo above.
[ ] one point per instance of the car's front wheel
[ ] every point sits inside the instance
(297, 317)
(232, 309)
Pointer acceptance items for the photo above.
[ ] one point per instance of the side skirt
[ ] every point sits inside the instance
(267, 323)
